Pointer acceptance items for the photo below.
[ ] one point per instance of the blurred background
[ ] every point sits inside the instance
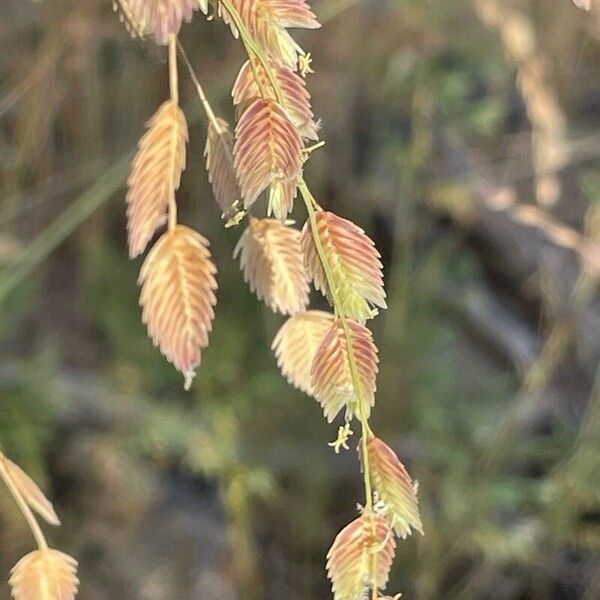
(464, 136)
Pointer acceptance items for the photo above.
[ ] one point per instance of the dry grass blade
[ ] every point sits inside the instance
(30, 492)
(271, 259)
(44, 575)
(395, 488)
(353, 261)
(159, 18)
(296, 99)
(178, 283)
(266, 22)
(332, 369)
(268, 152)
(219, 165)
(354, 552)
(155, 175)
(296, 345)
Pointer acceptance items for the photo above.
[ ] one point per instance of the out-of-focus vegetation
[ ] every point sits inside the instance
(435, 113)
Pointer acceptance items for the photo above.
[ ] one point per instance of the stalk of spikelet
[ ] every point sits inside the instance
(177, 277)
(45, 573)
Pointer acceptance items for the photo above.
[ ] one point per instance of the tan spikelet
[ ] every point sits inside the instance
(30, 492)
(271, 259)
(44, 575)
(331, 373)
(155, 175)
(353, 263)
(268, 152)
(219, 164)
(128, 18)
(266, 22)
(296, 99)
(395, 487)
(177, 296)
(159, 17)
(296, 345)
(359, 560)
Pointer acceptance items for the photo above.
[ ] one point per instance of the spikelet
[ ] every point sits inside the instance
(268, 152)
(219, 165)
(585, 4)
(354, 551)
(296, 345)
(177, 296)
(266, 22)
(295, 96)
(331, 373)
(353, 261)
(271, 259)
(29, 491)
(155, 175)
(395, 488)
(159, 17)
(44, 575)
(126, 16)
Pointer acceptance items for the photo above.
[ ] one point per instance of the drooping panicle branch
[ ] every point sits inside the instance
(331, 356)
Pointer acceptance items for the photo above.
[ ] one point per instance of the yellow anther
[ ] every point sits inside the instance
(344, 433)
(304, 62)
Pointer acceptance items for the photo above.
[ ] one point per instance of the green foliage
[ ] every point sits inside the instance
(26, 433)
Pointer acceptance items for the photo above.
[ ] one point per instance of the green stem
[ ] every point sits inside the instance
(311, 207)
(309, 201)
(254, 50)
(199, 90)
(174, 89)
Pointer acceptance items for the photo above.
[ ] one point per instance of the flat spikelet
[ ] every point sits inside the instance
(155, 175)
(268, 152)
(353, 261)
(266, 22)
(127, 17)
(395, 487)
(271, 259)
(44, 575)
(178, 283)
(331, 373)
(219, 165)
(296, 99)
(359, 560)
(585, 4)
(159, 17)
(30, 492)
(296, 345)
